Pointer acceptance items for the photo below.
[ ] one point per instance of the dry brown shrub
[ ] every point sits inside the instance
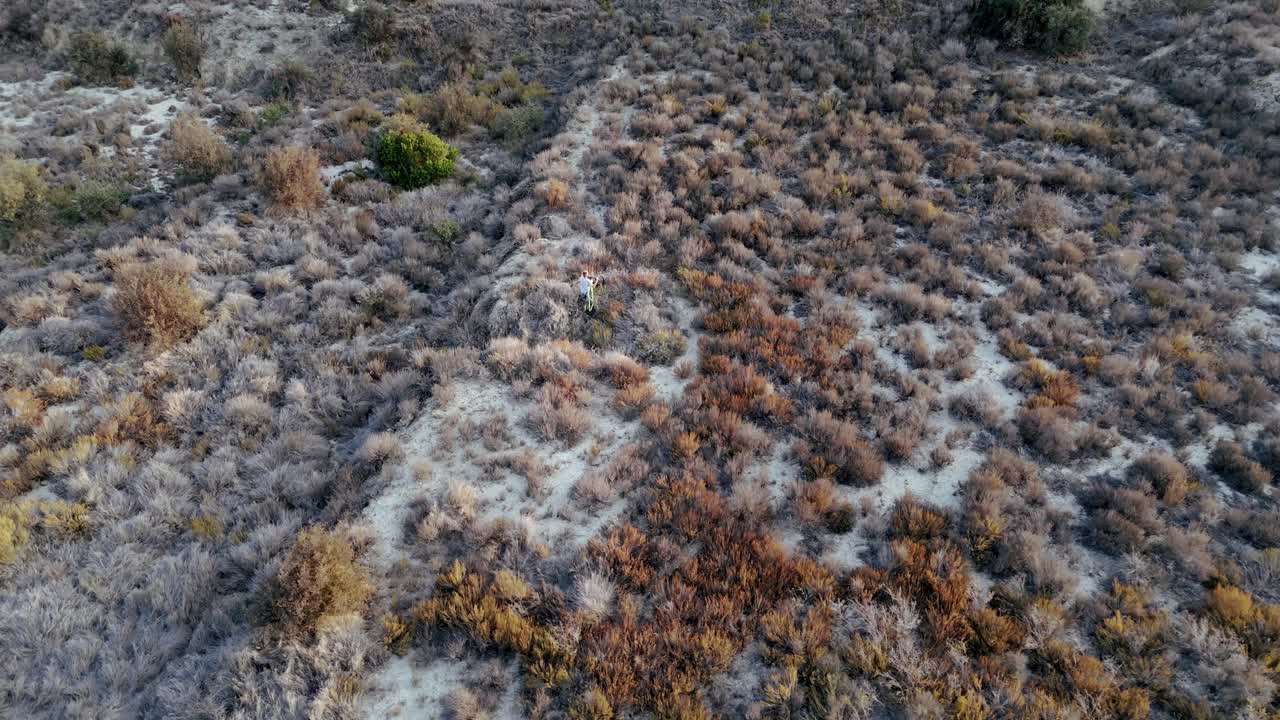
(291, 178)
(199, 153)
(156, 304)
(994, 633)
(812, 500)
(837, 450)
(632, 399)
(916, 520)
(1228, 459)
(318, 581)
(555, 193)
(655, 416)
(623, 371)
(1165, 474)
(1041, 213)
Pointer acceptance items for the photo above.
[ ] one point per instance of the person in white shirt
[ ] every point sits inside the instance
(586, 290)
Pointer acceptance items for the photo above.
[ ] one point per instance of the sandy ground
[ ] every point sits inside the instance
(563, 521)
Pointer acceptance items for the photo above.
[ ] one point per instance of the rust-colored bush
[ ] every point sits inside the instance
(838, 445)
(994, 633)
(916, 520)
(937, 580)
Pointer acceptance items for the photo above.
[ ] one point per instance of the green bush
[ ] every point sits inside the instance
(272, 113)
(98, 61)
(661, 347)
(1066, 29)
(517, 126)
(411, 157)
(289, 80)
(185, 50)
(90, 200)
(1054, 27)
(373, 24)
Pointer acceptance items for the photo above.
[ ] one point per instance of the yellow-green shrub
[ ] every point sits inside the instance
(22, 188)
(411, 157)
(13, 530)
(467, 602)
(185, 50)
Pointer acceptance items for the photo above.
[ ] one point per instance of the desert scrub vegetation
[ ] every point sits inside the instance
(411, 157)
(903, 396)
(156, 304)
(318, 582)
(1054, 27)
(185, 49)
(198, 153)
(97, 60)
(23, 192)
(290, 176)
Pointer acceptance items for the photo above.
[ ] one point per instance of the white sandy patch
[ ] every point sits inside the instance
(407, 691)
(1260, 263)
(19, 102)
(147, 112)
(1160, 52)
(663, 377)
(939, 487)
(400, 690)
(1254, 322)
(842, 553)
(990, 368)
(558, 517)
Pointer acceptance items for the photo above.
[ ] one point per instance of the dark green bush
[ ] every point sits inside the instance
(1066, 29)
(289, 80)
(98, 61)
(373, 24)
(1054, 27)
(411, 157)
(517, 126)
(184, 48)
(23, 23)
(91, 200)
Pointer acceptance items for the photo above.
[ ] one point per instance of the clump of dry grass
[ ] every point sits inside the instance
(1229, 460)
(291, 178)
(198, 153)
(156, 304)
(318, 581)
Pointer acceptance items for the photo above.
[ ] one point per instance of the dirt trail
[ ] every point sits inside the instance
(403, 684)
